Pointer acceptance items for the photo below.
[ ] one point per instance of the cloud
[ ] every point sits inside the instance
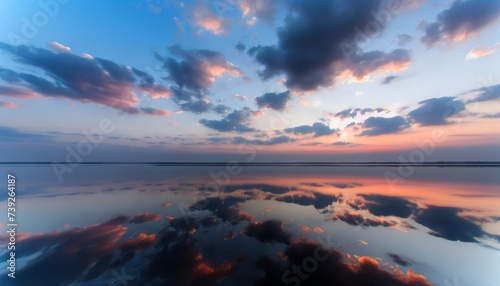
(260, 187)
(380, 205)
(461, 20)
(318, 200)
(342, 143)
(445, 222)
(9, 134)
(178, 261)
(236, 121)
(192, 73)
(145, 217)
(485, 93)
(275, 101)
(222, 109)
(369, 62)
(6, 104)
(312, 53)
(490, 115)
(260, 9)
(389, 79)
(268, 231)
(271, 141)
(226, 209)
(374, 126)
(70, 76)
(13, 91)
(240, 47)
(358, 219)
(240, 97)
(436, 111)
(318, 129)
(93, 250)
(57, 47)
(154, 111)
(207, 19)
(197, 106)
(399, 260)
(331, 267)
(403, 39)
(480, 51)
(354, 112)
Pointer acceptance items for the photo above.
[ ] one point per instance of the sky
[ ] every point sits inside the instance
(168, 80)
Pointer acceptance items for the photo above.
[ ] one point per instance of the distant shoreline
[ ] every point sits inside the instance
(489, 164)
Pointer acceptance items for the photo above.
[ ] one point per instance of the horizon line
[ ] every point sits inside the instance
(256, 164)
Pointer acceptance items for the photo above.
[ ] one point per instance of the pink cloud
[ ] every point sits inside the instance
(6, 104)
(481, 51)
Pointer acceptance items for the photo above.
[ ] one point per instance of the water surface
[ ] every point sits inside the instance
(255, 225)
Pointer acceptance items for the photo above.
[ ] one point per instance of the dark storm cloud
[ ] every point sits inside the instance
(276, 101)
(318, 129)
(358, 219)
(268, 231)
(192, 73)
(94, 250)
(445, 222)
(85, 79)
(332, 269)
(236, 121)
(436, 111)
(389, 79)
(380, 205)
(318, 200)
(8, 134)
(375, 126)
(463, 19)
(311, 49)
(267, 142)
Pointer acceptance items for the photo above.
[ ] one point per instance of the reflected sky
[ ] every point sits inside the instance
(110, 225)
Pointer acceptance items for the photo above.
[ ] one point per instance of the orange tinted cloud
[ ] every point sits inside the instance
(208, 20)
(481, 51)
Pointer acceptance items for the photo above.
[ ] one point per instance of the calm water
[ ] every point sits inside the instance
(147, 225)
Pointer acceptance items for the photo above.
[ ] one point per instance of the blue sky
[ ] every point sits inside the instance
(209, 77)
